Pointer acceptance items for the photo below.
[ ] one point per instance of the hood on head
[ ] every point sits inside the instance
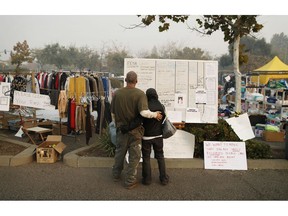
(151, 93)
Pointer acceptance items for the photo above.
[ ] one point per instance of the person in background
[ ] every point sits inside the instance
(153, 138)
(126, 105)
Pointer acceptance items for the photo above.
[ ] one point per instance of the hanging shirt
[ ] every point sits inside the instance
(77, 87)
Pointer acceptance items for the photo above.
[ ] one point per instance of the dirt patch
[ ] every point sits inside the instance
(7, 148)
(92, 152)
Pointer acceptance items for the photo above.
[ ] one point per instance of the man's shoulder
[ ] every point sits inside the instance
(140, 91)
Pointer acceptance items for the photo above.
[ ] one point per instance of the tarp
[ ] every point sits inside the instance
(275, 69)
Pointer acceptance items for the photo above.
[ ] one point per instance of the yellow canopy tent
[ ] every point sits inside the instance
(275, 69)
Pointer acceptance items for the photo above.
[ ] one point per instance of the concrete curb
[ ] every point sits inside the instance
(22, 158)
(73, 160)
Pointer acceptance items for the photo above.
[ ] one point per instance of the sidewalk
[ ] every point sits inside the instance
(77, 144)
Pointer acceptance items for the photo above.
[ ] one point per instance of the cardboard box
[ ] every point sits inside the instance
(48, 151)
(273, 136)
(56, 129)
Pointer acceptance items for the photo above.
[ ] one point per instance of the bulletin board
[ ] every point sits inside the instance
(186, 86)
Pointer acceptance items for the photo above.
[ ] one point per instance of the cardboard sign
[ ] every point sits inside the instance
(225, 155)
(32, 100)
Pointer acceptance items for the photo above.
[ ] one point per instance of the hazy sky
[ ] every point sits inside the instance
(96, 31)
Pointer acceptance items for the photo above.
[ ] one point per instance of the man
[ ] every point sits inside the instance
(127, 103)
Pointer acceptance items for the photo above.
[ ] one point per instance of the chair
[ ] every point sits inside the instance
(30, 128)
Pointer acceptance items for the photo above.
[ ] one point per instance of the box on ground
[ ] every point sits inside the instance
(273, 136)
(56, 129)
(48, 151)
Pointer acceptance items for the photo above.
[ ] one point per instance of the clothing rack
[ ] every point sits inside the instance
(92, 95)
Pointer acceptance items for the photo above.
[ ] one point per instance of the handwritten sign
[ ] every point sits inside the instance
(32, 100)
(225, 155)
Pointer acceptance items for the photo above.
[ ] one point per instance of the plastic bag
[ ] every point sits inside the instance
(168, 129)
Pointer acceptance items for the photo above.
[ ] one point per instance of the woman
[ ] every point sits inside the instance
(153, 138)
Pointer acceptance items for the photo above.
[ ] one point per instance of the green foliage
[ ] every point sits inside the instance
(106, 144)
(225, 60)
(71, 58)
(223, 132)
(164, 20)
(249, 49)
(279, 46)
(232, 26)
(115, 83)
(173, 51)
(115, 60)
(53, 54)
(210, 132)
(257, 150)
(21, 54)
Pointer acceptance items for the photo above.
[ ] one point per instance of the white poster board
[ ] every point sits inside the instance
(241, 126)
(180, 84)
(193, 115)
(174, 116)
(4, 96)
(32, 100)
(225, 155)
(180, 145)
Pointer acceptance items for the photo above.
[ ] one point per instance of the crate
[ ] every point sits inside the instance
(49, 150)
(273, 136)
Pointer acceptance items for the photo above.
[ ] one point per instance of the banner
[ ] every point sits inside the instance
(32, 100)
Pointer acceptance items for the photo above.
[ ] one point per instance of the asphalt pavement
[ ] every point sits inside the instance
(61, 181)
(58, 181)
(94, 185)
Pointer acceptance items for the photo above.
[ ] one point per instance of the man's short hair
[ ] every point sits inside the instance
(131, 77)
